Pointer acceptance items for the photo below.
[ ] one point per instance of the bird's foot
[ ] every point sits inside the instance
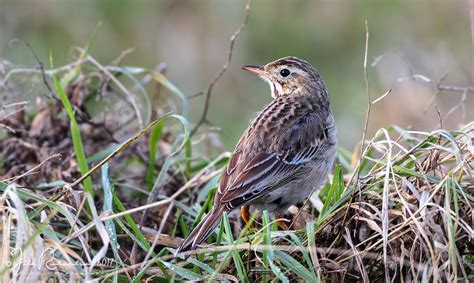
(245, 214)
(281, 222)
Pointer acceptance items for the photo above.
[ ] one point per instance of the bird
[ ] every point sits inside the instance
(285, 153)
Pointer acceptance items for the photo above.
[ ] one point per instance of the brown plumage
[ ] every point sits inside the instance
(285, 153)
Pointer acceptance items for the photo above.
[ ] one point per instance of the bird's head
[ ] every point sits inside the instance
(290, 76)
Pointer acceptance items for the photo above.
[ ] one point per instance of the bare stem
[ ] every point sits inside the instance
(224, 68)
(438, 86)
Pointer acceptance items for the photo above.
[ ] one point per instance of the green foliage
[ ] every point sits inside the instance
(333, 194)
(75, 133)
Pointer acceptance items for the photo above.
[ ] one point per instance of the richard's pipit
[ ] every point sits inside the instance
(285, 153)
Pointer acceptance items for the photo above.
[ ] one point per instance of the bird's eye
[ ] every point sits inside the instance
(285, 72)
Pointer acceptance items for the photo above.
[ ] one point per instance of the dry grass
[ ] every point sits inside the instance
(414, 219)
(408, 216)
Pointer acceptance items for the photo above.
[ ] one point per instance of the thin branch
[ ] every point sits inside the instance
(381, 97)
(356, 171)
(224, 68)
(32, 170)
(43, 74)
(438, 86)
(10, 129)
(35, 70)
(439, 118)
(20, 106)
(462, 105)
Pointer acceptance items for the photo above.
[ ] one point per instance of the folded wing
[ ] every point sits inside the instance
(271, 162)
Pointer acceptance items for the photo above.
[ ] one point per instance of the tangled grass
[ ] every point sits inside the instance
(404, 213)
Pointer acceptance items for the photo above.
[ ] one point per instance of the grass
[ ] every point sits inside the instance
(407, 217)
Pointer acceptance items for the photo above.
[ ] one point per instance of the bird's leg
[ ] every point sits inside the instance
(245, 214)
(281, 222)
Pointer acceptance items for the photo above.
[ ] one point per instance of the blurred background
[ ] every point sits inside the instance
(433, 38)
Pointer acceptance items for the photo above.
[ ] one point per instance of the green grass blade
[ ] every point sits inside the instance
(154, 137)
(296, 241)
(101, 154)
(295, 266)
(108, 200)
(267, 241)
(239, 265)
(450, 189)
(75, 133)
(178, 145)
(142, 240)
(334, 193)
(268, 253)
(311, 247)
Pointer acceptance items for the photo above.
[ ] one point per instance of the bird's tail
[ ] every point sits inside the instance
(202, 230)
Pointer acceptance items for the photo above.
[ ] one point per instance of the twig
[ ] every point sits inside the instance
(10, 129)
(195, 95)
(13, 104)
(435, 94)
(20, 106)
(438, 86)
(31, 171)
(367, 114)
(439, 118)
(35, 70)
(462, 105)
(356, 171)
(224, 68)
(43, 74)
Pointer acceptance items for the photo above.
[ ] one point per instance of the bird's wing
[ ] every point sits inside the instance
(273, 163)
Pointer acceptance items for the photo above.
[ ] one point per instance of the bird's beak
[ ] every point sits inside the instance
(259, 70)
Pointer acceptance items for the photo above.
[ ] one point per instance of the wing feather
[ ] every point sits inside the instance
(271, 165)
